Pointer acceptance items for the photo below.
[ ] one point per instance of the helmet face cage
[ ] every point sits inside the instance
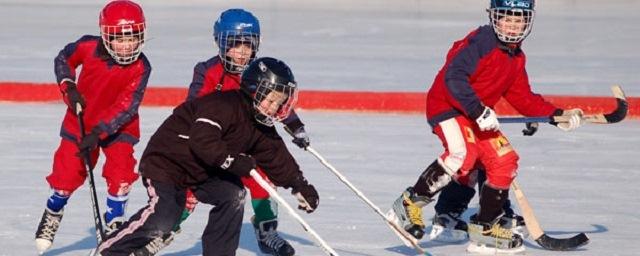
(229, 41)
(511, 25)
(131, 36)
(286, 95)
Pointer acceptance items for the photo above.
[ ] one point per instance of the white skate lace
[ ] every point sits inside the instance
(155, 245)
(50, 226)
(273, 240)
(159, 243)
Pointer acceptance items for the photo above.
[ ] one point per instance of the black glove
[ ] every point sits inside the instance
(89, 142)
(240, 164)
(531, 129)
(73, 96)
(299, 135)
(301, 138)
(308, 198)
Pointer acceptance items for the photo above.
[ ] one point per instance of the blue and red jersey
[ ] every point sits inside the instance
(112, 92)
(209, 77)
(479, 70)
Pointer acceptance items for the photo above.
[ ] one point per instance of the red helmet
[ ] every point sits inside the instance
(123, 19)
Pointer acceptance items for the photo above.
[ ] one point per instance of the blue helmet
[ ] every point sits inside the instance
(237, 27)
(512, 20)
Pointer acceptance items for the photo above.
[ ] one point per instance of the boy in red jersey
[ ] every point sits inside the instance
(488, 64)
(109, 89)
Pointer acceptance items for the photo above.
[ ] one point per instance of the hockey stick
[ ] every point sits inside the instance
(406, 237)
(100, 234)
(535, 231)
(615, 116)
(272, 192)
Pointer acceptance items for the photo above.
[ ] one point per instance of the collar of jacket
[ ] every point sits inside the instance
(511, 49)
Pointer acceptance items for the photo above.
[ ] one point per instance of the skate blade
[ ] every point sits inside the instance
(441, 234)
(392, 216)
(42, 245)
(486, 250)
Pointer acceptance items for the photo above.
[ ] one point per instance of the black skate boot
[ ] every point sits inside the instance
(47, 229)
(157, 244)
(269, 241)
(448, 227)
(113, 225)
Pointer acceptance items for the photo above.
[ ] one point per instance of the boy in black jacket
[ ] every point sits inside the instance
(206, 145)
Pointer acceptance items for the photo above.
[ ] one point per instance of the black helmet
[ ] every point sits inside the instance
(270, 84)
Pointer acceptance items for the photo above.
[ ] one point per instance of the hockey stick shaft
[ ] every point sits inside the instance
(617, 115)
(361, 195)
(533, 226)
(536, 232)
(520, 120)
(273, 193)
(100, 233)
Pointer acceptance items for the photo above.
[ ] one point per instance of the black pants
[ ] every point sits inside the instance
(164, 208)
(455, 197)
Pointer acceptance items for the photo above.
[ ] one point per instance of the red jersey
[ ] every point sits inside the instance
(209, 76)
(112, 92)
(480, 70)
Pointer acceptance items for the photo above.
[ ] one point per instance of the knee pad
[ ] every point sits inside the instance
(502, 172)
(432, 180)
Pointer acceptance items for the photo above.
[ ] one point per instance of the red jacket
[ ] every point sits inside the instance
(480, 70)
(112, 92)
(209, 76)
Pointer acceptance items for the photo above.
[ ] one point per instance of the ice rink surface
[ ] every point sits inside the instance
(584, 181)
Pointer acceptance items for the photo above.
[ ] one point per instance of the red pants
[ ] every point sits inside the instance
(256, 191)
(69, 171)
(466, 146)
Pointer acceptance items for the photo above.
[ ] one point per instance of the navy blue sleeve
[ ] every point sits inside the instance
(293, 121)
(197, 82)
(63, 62)
(463, 65)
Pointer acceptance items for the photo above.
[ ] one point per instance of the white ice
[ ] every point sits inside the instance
(584, 181)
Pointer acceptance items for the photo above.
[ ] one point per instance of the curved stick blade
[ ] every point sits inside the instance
(562, 244)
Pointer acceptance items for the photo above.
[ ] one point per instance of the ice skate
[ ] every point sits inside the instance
(157, 244)
(113, 225)
(407, 212)
(449, 228)
(47, 229)
(269, 241)
(492, 238)
(515, 223)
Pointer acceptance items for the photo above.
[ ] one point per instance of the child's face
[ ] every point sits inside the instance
(270, 105)
(125, 46)
(512, 25)
(240, 54)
